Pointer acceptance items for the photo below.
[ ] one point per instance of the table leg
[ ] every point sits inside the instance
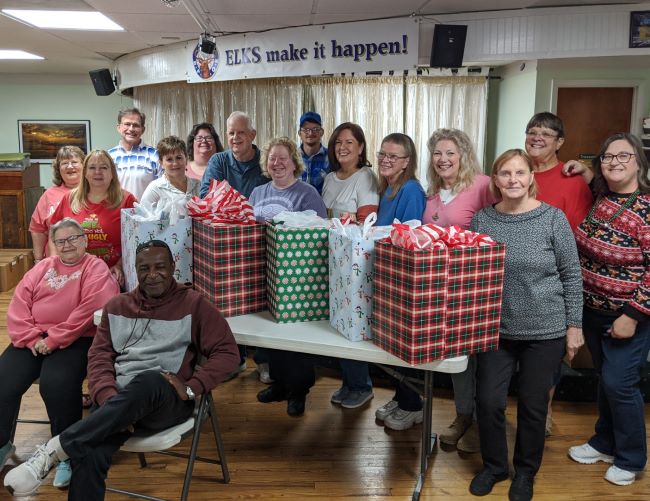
(428, 438)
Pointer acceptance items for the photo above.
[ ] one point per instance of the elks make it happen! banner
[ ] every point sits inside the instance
(390, 44)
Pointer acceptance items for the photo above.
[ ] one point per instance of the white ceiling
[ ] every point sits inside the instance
(150, 23)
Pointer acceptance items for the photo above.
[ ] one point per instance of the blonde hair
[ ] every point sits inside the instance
(293, 153)
(79, 195)
(469, 165)
(506, 156)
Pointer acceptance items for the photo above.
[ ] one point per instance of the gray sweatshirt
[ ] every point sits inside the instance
(542, 286)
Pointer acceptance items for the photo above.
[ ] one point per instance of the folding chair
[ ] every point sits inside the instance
(17, 419)
(161, 441)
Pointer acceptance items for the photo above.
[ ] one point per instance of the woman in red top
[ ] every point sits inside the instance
(96, 205)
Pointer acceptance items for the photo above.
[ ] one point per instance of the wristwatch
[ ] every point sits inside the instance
(190, 393)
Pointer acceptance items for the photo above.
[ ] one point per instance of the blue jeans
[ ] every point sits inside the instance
(356, 375)
(620, 428)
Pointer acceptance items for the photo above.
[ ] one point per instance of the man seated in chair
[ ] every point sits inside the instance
(142, 373)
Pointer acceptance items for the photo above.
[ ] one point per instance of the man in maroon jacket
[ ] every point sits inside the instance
(142, 373)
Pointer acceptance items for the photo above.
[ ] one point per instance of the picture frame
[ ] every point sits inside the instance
(640, 29)
(43, 138)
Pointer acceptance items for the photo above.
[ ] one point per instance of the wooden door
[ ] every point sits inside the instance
(591, 115)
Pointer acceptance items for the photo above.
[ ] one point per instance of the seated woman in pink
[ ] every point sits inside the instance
(50, 325)
(96, 205)
(66, 174)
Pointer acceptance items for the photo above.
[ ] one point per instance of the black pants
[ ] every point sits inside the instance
(148, 402)
(292, 372)
(538, 361)
(61, 375)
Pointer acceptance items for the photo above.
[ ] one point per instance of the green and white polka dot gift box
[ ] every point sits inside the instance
(297, 273)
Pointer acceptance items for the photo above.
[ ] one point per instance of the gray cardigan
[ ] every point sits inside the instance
(542, 286)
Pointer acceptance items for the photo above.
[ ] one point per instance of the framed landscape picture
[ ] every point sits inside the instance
(43, 138)
(640, 29)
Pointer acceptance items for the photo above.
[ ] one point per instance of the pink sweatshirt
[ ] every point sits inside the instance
(462, 208)
(59, 299)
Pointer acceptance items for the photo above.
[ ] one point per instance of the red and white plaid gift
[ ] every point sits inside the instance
(438, 302)
(221, 205)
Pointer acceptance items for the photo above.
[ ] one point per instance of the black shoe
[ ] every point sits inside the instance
(271, 394)
(296, 406)
(521, 488)
(482, 484)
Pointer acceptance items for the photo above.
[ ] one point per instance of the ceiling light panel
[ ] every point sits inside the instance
(64, 20)
(17, 54)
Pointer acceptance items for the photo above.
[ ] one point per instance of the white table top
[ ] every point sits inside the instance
(318, 338)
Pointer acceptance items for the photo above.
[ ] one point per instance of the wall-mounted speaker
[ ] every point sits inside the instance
(448, 45)
(102, 82)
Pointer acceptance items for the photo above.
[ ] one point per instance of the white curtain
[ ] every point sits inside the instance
(414, 105)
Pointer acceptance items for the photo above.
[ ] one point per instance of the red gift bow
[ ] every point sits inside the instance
(221, 205)
(431, 236)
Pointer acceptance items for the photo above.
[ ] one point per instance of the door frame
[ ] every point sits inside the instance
(638, 97)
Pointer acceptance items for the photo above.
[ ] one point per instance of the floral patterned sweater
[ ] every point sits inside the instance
(615, 256)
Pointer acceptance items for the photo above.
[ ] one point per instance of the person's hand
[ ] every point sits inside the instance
(574, 341)
(40, 348)
(176, 383)
(577, 168)
(623, 327)
(117, 272)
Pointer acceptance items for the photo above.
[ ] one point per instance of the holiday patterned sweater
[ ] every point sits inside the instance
(615, 256)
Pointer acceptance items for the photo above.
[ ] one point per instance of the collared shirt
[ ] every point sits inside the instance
(136, 168)
(317, 167)
(243, 176)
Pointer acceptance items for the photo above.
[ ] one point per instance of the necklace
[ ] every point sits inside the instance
(594, 222)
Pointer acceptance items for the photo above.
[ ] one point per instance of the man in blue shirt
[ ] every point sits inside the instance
(240, 164)
(314, 154)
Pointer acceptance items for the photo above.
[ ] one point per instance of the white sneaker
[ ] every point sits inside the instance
(265, 375)
(386, 410)
(586, 454)
(25, 479)
(618, 476)
(402, 420)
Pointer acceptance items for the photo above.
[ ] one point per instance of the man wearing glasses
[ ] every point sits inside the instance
(314, 154)
(137, 164)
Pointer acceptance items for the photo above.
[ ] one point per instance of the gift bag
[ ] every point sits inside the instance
(229, 266)
(297, 273)
(351, 258)
(439, 302)
(136, 230)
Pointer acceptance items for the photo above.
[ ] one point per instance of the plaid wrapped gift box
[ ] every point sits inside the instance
(437, 303)
(297, 274)
(229, 266)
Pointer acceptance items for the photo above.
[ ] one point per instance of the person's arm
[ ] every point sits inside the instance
(215, 170)
(367, 195)
(411, 203)
(313, 201)
(151, 194)
(96, 287)
(575, 168)
(21, 325)
(102, 384)
(39, 240)
(638, 308)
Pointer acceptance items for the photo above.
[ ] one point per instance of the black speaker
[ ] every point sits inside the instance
(102, 81)
(448, 45)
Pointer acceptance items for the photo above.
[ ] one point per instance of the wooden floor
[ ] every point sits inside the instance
(332, 452)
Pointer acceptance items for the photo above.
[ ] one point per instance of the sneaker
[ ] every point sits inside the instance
(339, 395)
(586, 454)
(6, 451)
(296, 406)
(241, 368)
(521, 488)
(273, 393)
(62, 475)
(25, 479)
(482, 484)
(402, 420)
(619, 476)
(548, 429)
(265, 375)
(470, 442)
(356, 399)
(456, 429)
(386, 410)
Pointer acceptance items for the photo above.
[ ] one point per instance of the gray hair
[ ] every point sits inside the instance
(66, 222)
(240, 115)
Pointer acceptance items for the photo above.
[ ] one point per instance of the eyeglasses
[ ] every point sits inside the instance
(391, 158)
(203, 139)
(543, 135)
(312, 131)
(623, 157)
(72, 239)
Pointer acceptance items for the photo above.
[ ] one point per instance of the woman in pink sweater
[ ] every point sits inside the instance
(50, 325)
